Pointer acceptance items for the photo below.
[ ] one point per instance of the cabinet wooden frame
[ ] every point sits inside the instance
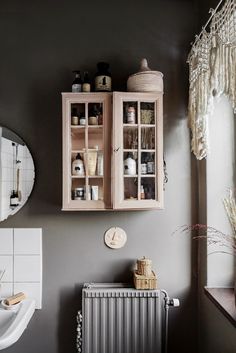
(68, 100)
(113, 151)
(119, 98)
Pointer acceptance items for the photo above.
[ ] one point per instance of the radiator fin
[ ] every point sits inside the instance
(121, 320)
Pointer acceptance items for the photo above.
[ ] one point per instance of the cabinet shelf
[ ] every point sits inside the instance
(147, 125)
(85, 150)
(149, 151)
(148, 175)
(95, 126)
(130, 150)
(89, 176)
(78, 177)
(77, 127)
(77, 151)
(130, 125)
(95, 176)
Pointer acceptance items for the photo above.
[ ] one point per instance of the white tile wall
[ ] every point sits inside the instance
(6, 289)
(27, 241)
(21, 258)
(6, 263)
(7, 184)
(27, 268)
(32, 290)
(6, 241)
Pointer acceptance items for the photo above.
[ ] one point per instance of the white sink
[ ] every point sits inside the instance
(14, 321)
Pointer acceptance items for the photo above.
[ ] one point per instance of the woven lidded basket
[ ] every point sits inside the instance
(145, 80)
(144, 267)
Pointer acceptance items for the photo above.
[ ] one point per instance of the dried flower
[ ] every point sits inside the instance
(212, 235)
(215, 236)
(230, 207)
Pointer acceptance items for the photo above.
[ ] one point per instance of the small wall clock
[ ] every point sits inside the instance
(115, 238)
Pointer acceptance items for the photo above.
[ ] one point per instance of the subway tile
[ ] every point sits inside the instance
(6, 240)
(32, 291)
(27, 268)
(7, 174)
(21, 151)
(7, 160)
(7, 188)
(6, 263)
(27, 241)
(7, 145)
(29, 175)
(30, 163)
(29, 187)
(6, 290)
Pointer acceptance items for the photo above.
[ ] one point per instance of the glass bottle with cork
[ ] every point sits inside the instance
(77, 83)
(74, 117)
(86, 86)
(103, 82)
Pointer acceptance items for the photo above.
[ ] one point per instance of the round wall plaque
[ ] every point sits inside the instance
(115, 238)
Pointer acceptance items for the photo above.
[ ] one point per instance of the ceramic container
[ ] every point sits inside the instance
(146, 80)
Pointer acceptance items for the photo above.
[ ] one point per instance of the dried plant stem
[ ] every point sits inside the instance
(211, 235)
(2, 274)
(230, 207)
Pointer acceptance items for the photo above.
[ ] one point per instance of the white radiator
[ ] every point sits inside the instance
(120, 319)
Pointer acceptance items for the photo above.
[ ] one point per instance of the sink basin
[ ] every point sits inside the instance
(14, 321)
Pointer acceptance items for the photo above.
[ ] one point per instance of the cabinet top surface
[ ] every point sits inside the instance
(109, 93)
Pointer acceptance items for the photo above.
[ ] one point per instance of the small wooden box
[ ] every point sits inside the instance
(144, 282)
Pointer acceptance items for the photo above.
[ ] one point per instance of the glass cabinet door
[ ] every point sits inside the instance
(138, 151)
(85, 161)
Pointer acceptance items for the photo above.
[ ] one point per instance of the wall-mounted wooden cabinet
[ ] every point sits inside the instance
(117, 139)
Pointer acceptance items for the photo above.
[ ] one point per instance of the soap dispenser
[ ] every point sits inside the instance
(130, 165)
(78, 166)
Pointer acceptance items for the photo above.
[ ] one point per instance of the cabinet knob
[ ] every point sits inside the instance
(116, 149)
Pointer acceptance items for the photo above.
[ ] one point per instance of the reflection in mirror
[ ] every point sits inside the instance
(17, 173)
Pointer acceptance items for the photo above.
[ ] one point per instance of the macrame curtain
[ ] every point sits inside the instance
(212, 72)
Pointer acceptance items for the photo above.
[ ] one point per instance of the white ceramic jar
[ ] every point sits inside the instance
(130, 166)
(78, 166)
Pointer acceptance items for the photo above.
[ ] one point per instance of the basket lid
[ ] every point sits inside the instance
(145, 70)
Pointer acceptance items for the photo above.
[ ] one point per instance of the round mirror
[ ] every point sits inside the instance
(17, 173)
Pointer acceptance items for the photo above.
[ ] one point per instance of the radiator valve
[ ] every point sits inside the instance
(174, 302)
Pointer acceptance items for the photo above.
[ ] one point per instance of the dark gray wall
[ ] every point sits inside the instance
(41, 42)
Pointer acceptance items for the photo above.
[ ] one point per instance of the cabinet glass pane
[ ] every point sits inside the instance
(95, 189)
(95, 137)
(148, 189)
(78, 164)
(87, 152)
(130, 112)
(94, 163)
(78, 189)
(130, 138)
(147, 113)
(148, 138)
(139, 150)
(95, 114)
(77, 138)
(130, 188)
(78, 114)
(147, 163)
(130, 160)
